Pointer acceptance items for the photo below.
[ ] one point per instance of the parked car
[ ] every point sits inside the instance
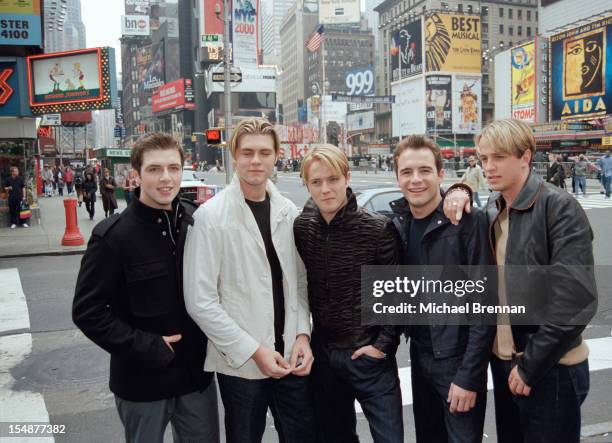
(377, 200)
(195, 188)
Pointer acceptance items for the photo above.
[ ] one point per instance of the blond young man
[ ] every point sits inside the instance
(540, 372)
(245, 286)
(335, 238)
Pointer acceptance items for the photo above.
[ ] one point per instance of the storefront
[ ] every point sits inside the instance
(118, 163)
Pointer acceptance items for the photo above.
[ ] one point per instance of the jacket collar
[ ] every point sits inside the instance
(526, 197)
(401, 207)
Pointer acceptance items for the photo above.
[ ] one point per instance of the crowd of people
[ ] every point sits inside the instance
(250, 294)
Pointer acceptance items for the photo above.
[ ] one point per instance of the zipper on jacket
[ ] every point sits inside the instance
(170, 228)
(326, 261)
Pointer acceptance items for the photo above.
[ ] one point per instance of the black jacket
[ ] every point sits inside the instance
(555, 174)
(333, 255)
(446, 244)
(89, 190)
(547, 227)
(129, 294)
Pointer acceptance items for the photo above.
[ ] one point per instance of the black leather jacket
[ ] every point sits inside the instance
(548, 227)
(333, 255)
(446, 244)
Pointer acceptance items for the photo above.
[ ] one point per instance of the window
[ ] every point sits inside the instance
(470, 9)
(485, 11)
(501, 29)
(460, 7)
(519, 14)
(510, 30)
(485, 28)
(519, 31)
(501, 43)
(501, 12)
(510, 13)
(528, 31)
(510, 43)
(528, 15)
(380, 203)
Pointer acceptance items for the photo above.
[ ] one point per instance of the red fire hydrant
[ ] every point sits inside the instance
(72, 235)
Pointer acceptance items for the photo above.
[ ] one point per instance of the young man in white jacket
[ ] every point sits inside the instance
(245, 286)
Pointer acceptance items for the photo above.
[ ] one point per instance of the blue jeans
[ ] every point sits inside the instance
(580, 185)
(431, 380)
(476, 198)
(550, 413)
(607, 184)
(337, 381)
(246, 403)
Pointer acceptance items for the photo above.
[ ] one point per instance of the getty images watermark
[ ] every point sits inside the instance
(477, 295)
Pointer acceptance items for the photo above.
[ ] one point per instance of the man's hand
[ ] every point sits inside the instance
(460, 400)
(455, 202)
(301, 356)
(171, 339)
(271, 363)
(368, 350)
(516, 384)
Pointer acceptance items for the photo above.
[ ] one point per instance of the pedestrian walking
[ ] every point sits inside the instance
(60, 182)
(250, 298)
(89, 194)
(129, 185)
(580, 172)
(68, 179)
(107, 190)
(474, 178)
(555, 173)
(55, 171)
(605, 167)
(47, 176)
(129, 301)
(540, 370)
(17, 194)
(78, 184)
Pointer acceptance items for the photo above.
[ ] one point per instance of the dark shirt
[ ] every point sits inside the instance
(17, 184)
(420, 335)
(261, 212)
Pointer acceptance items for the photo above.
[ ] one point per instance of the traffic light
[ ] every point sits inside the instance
(213, 136)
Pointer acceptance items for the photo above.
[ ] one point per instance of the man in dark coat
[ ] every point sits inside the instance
(335, 238)
(107, 189)
(129, 301)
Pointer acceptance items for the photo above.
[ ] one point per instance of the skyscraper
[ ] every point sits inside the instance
(64, 29)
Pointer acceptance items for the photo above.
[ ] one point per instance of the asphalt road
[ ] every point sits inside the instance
(70, 374)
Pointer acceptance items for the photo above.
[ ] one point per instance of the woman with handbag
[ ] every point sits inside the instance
(89, 193)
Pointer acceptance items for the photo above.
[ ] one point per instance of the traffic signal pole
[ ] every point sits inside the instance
(227, 157)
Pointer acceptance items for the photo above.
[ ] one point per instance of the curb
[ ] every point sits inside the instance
(43, 253)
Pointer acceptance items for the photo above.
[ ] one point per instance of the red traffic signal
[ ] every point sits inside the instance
(213, 136)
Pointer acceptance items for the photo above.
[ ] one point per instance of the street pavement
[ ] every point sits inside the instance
(51, 373)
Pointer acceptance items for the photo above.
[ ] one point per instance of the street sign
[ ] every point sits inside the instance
(363, 98)
(235, 77)
(212, 39)
(51, 120)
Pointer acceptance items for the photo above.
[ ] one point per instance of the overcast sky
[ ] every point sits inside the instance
(102, 21)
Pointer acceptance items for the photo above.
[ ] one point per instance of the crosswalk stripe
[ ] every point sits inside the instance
(17, 406)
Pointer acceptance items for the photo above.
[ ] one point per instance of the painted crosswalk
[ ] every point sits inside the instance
(591, 201)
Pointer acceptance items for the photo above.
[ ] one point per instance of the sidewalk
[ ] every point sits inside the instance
(45, 238)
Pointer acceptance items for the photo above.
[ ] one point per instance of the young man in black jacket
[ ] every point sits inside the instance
(129, 301)
(540, 371)
(352, 361)
(448, 362)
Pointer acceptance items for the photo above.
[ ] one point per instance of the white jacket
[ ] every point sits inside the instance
(474, 178)
(228, 284)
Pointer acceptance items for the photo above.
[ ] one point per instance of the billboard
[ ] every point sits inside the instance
(150, 63)
(339, 11)
(467, 101)
(580, 64)
(14, 89)
(135, 25)
(174, 95)
(438, 103)
(406, 51)
(20, 23)
(452, 43)
(360, 81)
(360, 121)
(78, 80)
(408, 111)
(523, 81)
(245, 32)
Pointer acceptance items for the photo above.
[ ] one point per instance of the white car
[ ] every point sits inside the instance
(194, 188)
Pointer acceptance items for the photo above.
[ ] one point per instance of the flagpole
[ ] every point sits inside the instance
(323, 97)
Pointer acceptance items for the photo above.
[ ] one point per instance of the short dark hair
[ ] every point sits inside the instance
(155, 141)
(418, 141)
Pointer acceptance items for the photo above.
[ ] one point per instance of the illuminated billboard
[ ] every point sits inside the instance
(523, 82)
(452, 43)
(79, 80)
(174, 96)
(406, 51)
(580, 64)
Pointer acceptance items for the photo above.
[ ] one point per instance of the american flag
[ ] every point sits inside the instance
(315, 40)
